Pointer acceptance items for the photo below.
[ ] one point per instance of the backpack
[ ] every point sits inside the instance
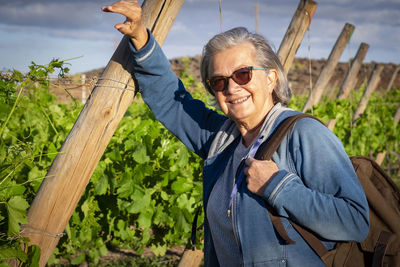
(382, 245)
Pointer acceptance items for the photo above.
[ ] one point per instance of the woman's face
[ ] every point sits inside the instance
(245, 104)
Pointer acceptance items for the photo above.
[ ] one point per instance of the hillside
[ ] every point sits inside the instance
(299, 76)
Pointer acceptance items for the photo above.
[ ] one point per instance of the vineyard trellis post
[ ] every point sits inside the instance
(71, 170)
(327, 71)
(394, 75)
(350, 79)
(397, 116)
(191, 258)
(295, 32)
(372, 85)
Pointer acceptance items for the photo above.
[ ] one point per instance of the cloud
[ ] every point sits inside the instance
(360, 12)
(77, 27)
(72, 15)
(84, 34)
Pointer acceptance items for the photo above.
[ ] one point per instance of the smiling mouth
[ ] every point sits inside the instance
(240, 100)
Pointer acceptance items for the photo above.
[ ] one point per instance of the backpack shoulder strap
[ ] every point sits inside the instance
(268, 148)
(265, 152)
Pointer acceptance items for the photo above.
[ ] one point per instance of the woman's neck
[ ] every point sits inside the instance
(250, 133)
(249, 129)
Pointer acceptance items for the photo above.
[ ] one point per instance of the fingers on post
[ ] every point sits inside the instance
(130, 9)
(132, 26)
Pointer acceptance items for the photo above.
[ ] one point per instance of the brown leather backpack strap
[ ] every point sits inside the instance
(278, 225)
(380, 249)
(271, 145)
(311, 240)
(265, 152)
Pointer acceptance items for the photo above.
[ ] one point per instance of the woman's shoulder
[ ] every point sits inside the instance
(309, 125)
(310, 131)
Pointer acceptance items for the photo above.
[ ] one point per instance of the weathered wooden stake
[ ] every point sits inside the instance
(350, 79)
(332, 89)
(191, 258)
(330, 65)
(397, 116)
(78, 157)
(390, 84)
(372, 84)
(295, 32)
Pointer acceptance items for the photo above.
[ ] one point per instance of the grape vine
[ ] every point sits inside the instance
(147, 186)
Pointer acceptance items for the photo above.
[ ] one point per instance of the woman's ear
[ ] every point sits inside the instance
(272, 78)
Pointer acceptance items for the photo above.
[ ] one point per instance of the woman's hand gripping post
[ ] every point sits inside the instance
(132, 26)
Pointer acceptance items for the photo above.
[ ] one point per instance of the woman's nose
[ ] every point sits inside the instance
(232, 86)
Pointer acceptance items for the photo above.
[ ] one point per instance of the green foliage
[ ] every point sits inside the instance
(142, 194)
(374, 132)
(147, 185)
(32, 127)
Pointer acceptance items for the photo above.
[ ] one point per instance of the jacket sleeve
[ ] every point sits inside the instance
(187, 118)
(322, 192)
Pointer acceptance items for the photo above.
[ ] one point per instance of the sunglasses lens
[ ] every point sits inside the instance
(217, 83)
(242, 76)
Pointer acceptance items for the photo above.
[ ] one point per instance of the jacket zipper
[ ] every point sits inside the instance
(230, 212)
(236, 235)
(234, 182)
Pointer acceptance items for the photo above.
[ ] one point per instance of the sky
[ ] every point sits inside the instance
(40, 30)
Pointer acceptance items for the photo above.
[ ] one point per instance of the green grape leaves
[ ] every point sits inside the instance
(16, 210)
(144, 191)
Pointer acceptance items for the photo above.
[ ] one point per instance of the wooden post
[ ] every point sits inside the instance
(329, 67)
(390, 84)
(331, 124)
(191, 258)
(295, 32)
(397, 116)
(372, 84)
(381, 156)
(332, 89)
(70, 171)
(350, 79)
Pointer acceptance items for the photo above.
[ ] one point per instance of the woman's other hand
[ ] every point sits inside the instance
(258, 173)
(133, 26)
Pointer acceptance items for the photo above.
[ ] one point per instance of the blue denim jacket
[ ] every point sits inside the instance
(315, 187)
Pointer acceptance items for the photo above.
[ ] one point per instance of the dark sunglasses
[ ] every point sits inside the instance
(241, 76)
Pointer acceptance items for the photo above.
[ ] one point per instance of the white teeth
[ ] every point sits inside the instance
(239, 100)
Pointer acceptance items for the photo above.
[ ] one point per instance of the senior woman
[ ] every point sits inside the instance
(310, 179)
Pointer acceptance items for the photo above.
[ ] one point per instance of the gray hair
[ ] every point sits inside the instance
(265, 56)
